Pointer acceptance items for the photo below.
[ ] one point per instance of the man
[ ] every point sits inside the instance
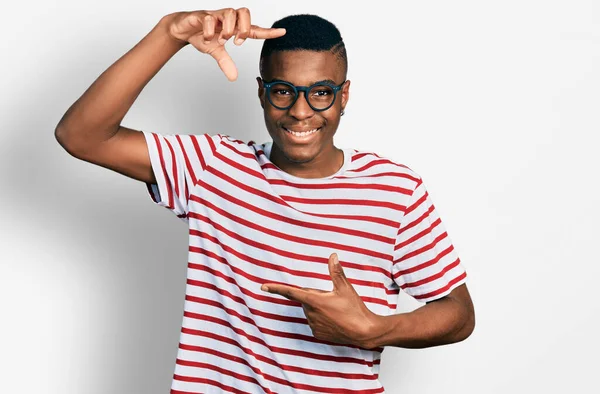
(297, 249)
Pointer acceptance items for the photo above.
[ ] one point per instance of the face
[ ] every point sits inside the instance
(303, 68)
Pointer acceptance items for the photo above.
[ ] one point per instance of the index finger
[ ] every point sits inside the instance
(258, 32)
(290, 292)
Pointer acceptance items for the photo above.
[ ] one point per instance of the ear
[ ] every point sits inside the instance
(261, 91)
(345, 94)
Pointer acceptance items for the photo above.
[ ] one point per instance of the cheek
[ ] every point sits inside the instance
(269, 116)
(332, 119)
(272, 120)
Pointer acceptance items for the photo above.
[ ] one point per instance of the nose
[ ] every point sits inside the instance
(301, 109)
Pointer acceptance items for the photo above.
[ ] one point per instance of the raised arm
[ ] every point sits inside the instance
(91, 128)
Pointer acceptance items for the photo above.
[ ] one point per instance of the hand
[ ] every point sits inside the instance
(208, 31)
(339, 315)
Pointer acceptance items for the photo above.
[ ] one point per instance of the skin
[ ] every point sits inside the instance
(90, 130)
(340, 315)
(317, 157)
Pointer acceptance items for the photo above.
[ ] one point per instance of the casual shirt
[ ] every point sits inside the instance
(252, 223)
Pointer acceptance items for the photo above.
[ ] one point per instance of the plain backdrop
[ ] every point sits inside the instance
(495, 104)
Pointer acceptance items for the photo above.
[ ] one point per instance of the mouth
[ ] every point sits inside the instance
(301, 134)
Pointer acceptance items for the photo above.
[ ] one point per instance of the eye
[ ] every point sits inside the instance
(321, 91)
(282, 92)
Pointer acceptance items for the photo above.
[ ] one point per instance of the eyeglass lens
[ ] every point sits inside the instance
(320, 96)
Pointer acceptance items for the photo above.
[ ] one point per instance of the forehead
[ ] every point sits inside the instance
(304, 67)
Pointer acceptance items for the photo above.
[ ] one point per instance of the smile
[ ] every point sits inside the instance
(302, 133)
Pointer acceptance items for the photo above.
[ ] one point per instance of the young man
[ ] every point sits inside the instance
(297, 249)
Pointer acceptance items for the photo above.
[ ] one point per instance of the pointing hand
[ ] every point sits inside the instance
(339, 315)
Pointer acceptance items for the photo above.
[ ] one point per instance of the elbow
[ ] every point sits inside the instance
(62, 137)
(59, 136)
(468, 326)
(465, 314)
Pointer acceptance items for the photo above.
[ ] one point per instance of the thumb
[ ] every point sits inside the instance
(336, 272)
(225, 62)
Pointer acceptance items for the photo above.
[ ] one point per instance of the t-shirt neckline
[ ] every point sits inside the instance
(266, 147)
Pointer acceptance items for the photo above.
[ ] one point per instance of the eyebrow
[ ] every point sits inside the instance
(310, 83)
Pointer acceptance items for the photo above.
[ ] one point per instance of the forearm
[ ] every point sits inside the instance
(437, 323)
(97, 114)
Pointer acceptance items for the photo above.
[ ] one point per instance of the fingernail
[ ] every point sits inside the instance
(206, 42)
(335, 259)
(264, 288)
(222, 41)
(238, 41)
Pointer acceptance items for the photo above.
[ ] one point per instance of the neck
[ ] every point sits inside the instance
(326, 163)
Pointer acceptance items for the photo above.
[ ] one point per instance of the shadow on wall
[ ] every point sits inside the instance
(137, 249)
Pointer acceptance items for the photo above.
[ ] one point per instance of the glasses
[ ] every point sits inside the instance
(283, 95)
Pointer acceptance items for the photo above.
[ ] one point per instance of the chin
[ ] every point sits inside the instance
(298, 154)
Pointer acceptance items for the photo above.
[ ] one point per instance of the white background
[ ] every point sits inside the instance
(495, 104)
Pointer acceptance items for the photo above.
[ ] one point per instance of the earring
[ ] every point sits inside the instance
(342, 113)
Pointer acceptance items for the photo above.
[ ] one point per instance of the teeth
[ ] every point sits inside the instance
(301, 134)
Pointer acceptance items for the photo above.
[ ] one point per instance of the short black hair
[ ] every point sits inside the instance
(305, 32)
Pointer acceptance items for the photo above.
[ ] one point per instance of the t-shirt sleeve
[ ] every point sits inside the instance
(426, 266)
(178, 162)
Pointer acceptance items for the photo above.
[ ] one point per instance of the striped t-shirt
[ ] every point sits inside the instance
(251, 223)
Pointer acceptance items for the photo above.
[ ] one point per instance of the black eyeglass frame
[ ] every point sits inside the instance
(304, 89)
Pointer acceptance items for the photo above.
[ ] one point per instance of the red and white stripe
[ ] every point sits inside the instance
(251, 223)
